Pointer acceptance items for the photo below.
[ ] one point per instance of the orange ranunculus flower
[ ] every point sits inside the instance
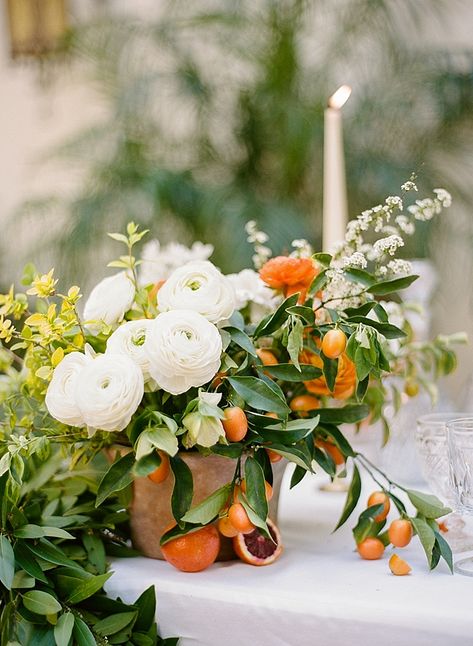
(344, 383)
(291, 275)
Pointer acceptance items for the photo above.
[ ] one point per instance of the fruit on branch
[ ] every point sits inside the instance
(235, 424)
(379, 498)
(333, 450)
(400, 532)
(161, 473)
(266, 357)
(267, 486)
(370, 549)
(334, 344)
(226, 528)
(273, 456)
(239, 519)
(302, 404)
(344, 383)
(193, 552)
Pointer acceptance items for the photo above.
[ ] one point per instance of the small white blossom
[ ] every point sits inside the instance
(394, 202)
(400, 267)
(444, 197)
(405, 225)
(357, 259)
(388, 245)
(409, 186)
(158, 262)
(302, 248)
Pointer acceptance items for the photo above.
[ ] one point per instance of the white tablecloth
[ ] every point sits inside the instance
(319, 593)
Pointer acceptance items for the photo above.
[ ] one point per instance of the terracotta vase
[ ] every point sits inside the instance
(150, 510)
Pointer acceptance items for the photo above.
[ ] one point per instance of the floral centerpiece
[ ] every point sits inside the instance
(168, 361)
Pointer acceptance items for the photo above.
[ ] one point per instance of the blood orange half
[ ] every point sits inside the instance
(256, 549)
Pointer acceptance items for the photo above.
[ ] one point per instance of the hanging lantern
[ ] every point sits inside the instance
(37, 27)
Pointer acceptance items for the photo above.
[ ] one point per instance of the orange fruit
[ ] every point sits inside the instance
(398, 566)
(194, 551)
(161, 473)
(235, 424)
(268, 488)
(267, 357)
(226, 528)
(333, 450)
(380, 498)
(400, 532)
(238, 518)
(273, 456)
(304, 403)
(334, 343)
(257, 549)
(272, 415)
(370, 549)
(345, 381)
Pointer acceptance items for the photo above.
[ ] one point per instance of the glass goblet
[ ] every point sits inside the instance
(460, 453)
(431, 442)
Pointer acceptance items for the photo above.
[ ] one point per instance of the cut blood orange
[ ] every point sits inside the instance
(256, 549)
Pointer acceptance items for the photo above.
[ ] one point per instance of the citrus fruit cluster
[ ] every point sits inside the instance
(398, 534)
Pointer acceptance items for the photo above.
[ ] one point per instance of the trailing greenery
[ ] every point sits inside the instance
(54, 545)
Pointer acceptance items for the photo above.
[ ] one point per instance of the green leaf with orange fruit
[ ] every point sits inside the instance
(289, 372)
(259, 395)
(206, 511)
(255, 487)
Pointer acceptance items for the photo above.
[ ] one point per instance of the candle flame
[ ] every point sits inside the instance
(340, 97)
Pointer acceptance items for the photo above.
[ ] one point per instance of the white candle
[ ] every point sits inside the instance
(335, 211)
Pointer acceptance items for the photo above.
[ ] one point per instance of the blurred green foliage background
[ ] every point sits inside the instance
(213, 115)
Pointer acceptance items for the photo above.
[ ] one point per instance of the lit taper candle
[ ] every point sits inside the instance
(335, 213)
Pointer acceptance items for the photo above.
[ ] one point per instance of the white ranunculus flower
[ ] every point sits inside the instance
(110, 299)
(60, 396)
(184, 350)
(201, 287)
(158, 262)
(251, 290)
(108, 391)
(129, 339)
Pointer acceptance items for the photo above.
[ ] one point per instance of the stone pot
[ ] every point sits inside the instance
(150, 510)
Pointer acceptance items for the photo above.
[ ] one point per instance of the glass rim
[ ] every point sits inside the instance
(461, 424)
(442, 418)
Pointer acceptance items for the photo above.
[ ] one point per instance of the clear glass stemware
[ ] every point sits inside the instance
(431, 442)
(460, 454)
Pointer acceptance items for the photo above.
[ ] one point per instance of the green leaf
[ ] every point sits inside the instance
(255, 488)
(353, 496)
(389, 286)
(28, 562)
(208, 509)
(294, 454)
(295, 341)
(386, 329)
(289, 372)
(183, 491)
(359, 276)
(114, 623)
(297, 476)
(318, 283)
(273, 322)
(37, 531)
(82, 633)
(306, 313)
(156, 438)
(41, 603)
(340, 440)
(285, 434)
(426, 535)
(445, 550)
(242, 340)
(95, 552)
(146, 605)
(7, 562)
(258, 394)
(255, 518)
(116, 478)
(330, 371)
(52, 554)
(23, 580)
(87, 588)
(63, 629)
(147, 465)
(361, 388)
(427, 505)
(177, 531)
(347, 415)
(322, 258)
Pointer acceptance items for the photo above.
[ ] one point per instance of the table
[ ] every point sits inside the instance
(319, 592)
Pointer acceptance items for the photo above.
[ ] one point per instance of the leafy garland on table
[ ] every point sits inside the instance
(57, 524)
